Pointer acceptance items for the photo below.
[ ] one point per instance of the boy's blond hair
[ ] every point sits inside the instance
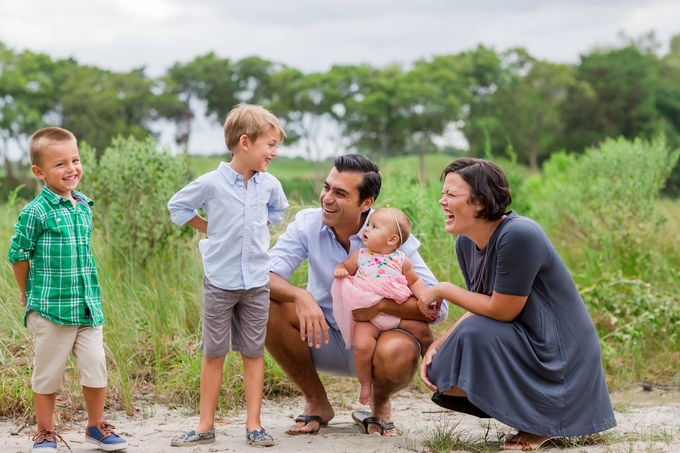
(44, 137)
(251, 120)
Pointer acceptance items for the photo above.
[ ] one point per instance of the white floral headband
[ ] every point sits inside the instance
(401, 238)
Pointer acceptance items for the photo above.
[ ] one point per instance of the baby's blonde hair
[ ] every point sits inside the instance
(45, 137)
(250, 120)
(402, 224)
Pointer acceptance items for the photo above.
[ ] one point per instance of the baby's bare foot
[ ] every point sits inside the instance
(365, 395)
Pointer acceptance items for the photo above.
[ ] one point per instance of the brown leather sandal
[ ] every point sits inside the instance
(522, 441)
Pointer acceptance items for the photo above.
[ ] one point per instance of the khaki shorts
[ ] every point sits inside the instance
(54, 343)
(241, 314)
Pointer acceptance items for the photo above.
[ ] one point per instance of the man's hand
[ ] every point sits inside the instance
(367, 313)
(427, 360)
(430, 302)
(22, 299)
(312, 321)
(340, 272)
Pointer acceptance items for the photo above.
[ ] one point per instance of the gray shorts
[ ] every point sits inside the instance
(240, 314)
(334, 359)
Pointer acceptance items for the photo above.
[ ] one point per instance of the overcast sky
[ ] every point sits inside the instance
(312, 35)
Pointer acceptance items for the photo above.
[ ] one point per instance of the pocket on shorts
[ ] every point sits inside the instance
(214, 300)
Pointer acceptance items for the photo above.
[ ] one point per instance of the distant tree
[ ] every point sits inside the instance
(373, 118)
(254, 77)
(524, 111)
(668, 103)
(310, 107)
(207, 78)
(26, 95)
(98, 105)
(622, 101)
(430, 98)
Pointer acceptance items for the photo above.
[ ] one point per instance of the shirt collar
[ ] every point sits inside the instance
(232, 176)
(57, 199)
(324, 227)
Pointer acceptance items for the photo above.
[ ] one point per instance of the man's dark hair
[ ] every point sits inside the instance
(488, 185)
(354, 163)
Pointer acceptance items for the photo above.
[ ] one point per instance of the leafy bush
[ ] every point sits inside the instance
(604, 200)
(131, 185)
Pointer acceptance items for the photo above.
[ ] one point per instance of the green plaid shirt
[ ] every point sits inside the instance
(62, 282)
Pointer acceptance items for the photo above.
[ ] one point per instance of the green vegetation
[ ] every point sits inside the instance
(601, 209)
(445, 438)
(501, 100)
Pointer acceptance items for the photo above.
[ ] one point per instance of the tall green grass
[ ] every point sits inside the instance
(153, 306)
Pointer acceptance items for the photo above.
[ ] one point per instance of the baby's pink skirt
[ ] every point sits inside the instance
(351, 293)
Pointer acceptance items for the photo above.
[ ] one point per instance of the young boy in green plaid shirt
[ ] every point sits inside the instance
(53, 265)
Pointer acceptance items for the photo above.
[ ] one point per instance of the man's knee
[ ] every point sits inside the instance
(420, 330)
(282, 323)
(281, 315)
(395, 357)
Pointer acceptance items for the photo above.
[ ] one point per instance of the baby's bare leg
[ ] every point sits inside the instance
(420, 330)
(365, 339)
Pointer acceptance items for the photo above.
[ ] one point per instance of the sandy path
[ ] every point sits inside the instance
(648, 422)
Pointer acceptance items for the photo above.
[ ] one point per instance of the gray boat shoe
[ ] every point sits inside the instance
(194, 438)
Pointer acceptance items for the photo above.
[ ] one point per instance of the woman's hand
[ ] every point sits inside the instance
(430, 301)
(427, 360)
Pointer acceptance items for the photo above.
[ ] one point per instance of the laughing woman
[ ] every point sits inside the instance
(526, 352)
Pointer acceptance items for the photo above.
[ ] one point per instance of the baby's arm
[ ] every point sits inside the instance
(416, 283)
(347, 267)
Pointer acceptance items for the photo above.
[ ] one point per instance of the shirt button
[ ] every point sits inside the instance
(21, 250)
(58, 220)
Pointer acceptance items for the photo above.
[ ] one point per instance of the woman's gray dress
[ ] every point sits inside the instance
(542, 372)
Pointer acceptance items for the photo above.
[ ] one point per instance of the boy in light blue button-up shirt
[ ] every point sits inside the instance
(241, 199)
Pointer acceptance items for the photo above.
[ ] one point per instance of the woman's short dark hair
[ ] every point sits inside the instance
(488, 185)
(354, 163)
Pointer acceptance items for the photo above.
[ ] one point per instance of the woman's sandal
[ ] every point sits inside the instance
(522, 441)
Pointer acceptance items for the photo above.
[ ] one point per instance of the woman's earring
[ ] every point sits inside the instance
(477, 208)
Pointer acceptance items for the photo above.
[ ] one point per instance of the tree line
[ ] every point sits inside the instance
(502, 101)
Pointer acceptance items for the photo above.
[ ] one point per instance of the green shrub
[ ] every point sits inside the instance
(131, 185)
(603, 201)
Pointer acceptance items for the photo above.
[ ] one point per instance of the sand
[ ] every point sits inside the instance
(648, 422)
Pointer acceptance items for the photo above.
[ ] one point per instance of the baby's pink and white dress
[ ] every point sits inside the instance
(379, 275)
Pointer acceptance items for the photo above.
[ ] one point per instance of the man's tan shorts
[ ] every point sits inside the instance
(54, 342)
